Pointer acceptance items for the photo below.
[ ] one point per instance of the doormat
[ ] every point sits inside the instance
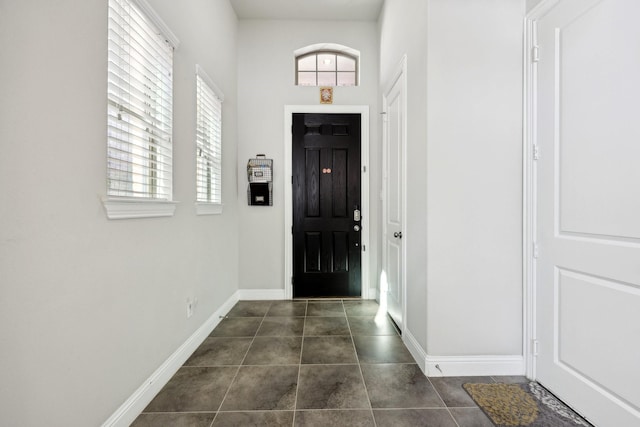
(529, 404)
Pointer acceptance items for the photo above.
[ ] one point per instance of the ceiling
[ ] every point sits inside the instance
(333, 10)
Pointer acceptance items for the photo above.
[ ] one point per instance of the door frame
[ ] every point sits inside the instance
(363, 110)
(530, 186)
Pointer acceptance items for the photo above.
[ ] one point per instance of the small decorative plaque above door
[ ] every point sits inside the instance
(326, 95)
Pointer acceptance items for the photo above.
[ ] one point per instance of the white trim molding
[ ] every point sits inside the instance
(127, 208)
(363, 110)
(153, 16)
(415, 349)
(135, 404)
(464, 366)
(209, 81)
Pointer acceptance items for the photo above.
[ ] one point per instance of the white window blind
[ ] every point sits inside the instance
(208, 140)
(140, 103)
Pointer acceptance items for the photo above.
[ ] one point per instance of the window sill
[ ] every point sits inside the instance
(208, 208)
(123, 208)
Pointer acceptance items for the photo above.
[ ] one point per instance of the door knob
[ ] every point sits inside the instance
(398, 234)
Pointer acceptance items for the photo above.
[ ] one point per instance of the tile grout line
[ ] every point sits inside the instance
(366, 391)
(443, 402)
(240, 365)
(297, 413)
(295, 400)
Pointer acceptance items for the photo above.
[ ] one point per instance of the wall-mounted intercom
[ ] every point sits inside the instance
(260, 174)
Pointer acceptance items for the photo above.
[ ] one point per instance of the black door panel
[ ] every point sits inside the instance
(326, 190)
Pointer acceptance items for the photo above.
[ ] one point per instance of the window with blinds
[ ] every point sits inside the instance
(208, 140)
(140, 103)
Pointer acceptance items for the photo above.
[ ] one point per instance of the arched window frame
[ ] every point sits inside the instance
(327, 49)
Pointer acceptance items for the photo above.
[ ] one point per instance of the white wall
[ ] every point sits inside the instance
(89, 307)
(474, 162)
(464, 171)
(266, 83)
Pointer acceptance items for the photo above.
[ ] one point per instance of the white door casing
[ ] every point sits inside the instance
(392, 283)
(586, 194)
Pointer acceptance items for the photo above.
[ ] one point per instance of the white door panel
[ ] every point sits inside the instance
(588, 207)
(392, 288)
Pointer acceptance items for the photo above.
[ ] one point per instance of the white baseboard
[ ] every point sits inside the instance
(260, 294)
(462, 366)
(136, 403)
(415, 349)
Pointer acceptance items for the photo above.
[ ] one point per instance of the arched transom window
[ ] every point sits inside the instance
(324, 67)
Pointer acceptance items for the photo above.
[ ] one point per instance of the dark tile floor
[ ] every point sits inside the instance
(309, 363)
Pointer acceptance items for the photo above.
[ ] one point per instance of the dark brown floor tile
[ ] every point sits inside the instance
(511, 379)
(237, 327)
(193, 389)
(413, 418)
(274, 351)
(325, 309)
(361, 308)
(331, 387)
(451, 391)
(250, 309)
(263, 419)
(371, 325)
(325, 418)
(262, 388)
(326, 350)
(281, 326)
(315, 326)
(174, 420)
(219, 351)
(287, 309)
(470, 417)
(399, 386)
(382, 349)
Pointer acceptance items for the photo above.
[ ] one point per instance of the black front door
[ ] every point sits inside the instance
(326, 205)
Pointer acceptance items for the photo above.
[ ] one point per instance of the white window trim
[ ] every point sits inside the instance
(158, 22)
(126, 208)
(204, 76)
(133, 208)
(207, 208)
(327, 47)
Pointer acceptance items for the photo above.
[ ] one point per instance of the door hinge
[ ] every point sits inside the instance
(536, 152)
(364, 248)
(535, 347)
(535, 54)
(291, 280)
(536, 251)
(292, 229)
(364, 169)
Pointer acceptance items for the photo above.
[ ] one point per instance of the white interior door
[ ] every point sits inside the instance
(588, 207)
(393, 194)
